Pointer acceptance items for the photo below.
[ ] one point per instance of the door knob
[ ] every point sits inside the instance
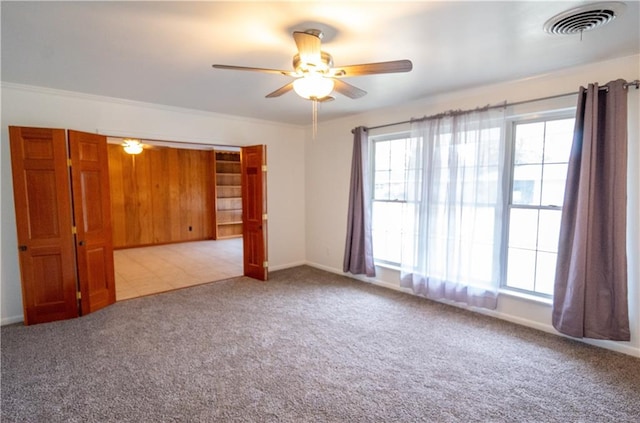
(22, 248)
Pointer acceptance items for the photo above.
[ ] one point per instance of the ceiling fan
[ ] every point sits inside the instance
(314, 73)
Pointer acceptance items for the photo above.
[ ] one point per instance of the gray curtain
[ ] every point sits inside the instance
(590, 296)
(358, 254)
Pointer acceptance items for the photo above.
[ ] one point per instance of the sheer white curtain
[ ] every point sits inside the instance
(453, 219)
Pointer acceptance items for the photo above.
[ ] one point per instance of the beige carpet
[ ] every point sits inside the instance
(307, 346)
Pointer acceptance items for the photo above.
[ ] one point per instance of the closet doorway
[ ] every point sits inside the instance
(63, 190)
(166, 205)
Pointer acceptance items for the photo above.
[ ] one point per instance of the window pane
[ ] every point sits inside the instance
(491, 151)
(398, 155)
(484, 189)
(526, 185)
(394, 240)
(412, 192)
(397, 175)
(549, 230)
(545, 272)
(382, 155)
(482, 263)
(381, 186)
(396, 191)
(529, 143)
(479, 224)
(386, 218)
(541, 153)
(558, 140)
(553, 184)
(521, 269)
(440, 157)
(523, 228)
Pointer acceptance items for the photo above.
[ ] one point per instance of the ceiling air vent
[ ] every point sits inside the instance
(584, 18)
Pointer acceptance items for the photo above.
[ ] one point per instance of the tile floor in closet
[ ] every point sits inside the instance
(149, 270)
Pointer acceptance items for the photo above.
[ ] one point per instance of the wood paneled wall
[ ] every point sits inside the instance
(160, 196)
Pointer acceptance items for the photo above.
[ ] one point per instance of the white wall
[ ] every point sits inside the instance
(32, 106)
(328, 161)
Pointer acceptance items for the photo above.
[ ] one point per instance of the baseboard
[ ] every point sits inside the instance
(362, 278)
(287, 266)
(11, 320)
(613, 346)
(609, 345)
(326, 268)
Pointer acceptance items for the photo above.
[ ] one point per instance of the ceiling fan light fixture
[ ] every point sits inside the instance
(132, 146)
(313, 86)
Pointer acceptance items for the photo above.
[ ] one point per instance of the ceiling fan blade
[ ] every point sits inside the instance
(348, 89)
(325, 99)
(282, 90)
(264, 70)
(394, 66)
(308, 47)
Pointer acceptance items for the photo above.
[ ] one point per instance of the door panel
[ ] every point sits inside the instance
(92, 211)
(44, 221)
(254, 211)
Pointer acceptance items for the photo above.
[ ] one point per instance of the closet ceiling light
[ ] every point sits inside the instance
(132, 146)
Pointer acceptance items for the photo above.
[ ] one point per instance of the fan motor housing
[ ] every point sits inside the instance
(302, 67)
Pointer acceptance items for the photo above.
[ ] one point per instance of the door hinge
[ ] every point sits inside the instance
(264, 216)
(265, 264)
(264, 168)
(74, 230)
(69, 162)
(79, 295)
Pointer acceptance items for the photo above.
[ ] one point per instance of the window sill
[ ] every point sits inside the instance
(387, 266)
(501, 291)
(527, 297)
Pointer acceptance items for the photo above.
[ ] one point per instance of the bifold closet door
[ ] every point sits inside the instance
(253, 166)
(44, 223)
(92, 212)
(63, 222)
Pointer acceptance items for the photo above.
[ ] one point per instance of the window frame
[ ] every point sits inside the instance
(542, 114)
(400, 135)
(510, 140)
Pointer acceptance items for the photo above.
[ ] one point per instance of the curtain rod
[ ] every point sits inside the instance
(635, 83)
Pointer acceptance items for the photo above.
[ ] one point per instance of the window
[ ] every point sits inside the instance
(391, 162)
(538, 152)
(540, 155)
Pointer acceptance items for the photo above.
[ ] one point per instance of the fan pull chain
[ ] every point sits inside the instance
(314, 118)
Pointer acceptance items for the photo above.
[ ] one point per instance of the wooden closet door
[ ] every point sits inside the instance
(44, 223)
(254, 210)
(92, 212)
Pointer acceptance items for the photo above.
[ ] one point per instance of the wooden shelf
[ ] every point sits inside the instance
(228, 195)
(229, 191)
(228, 179)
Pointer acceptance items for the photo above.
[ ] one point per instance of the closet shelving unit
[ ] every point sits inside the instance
(228, 195)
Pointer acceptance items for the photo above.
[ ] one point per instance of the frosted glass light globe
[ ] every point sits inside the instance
(313, 86)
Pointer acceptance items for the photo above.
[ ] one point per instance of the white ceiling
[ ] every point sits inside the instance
(162, 52)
